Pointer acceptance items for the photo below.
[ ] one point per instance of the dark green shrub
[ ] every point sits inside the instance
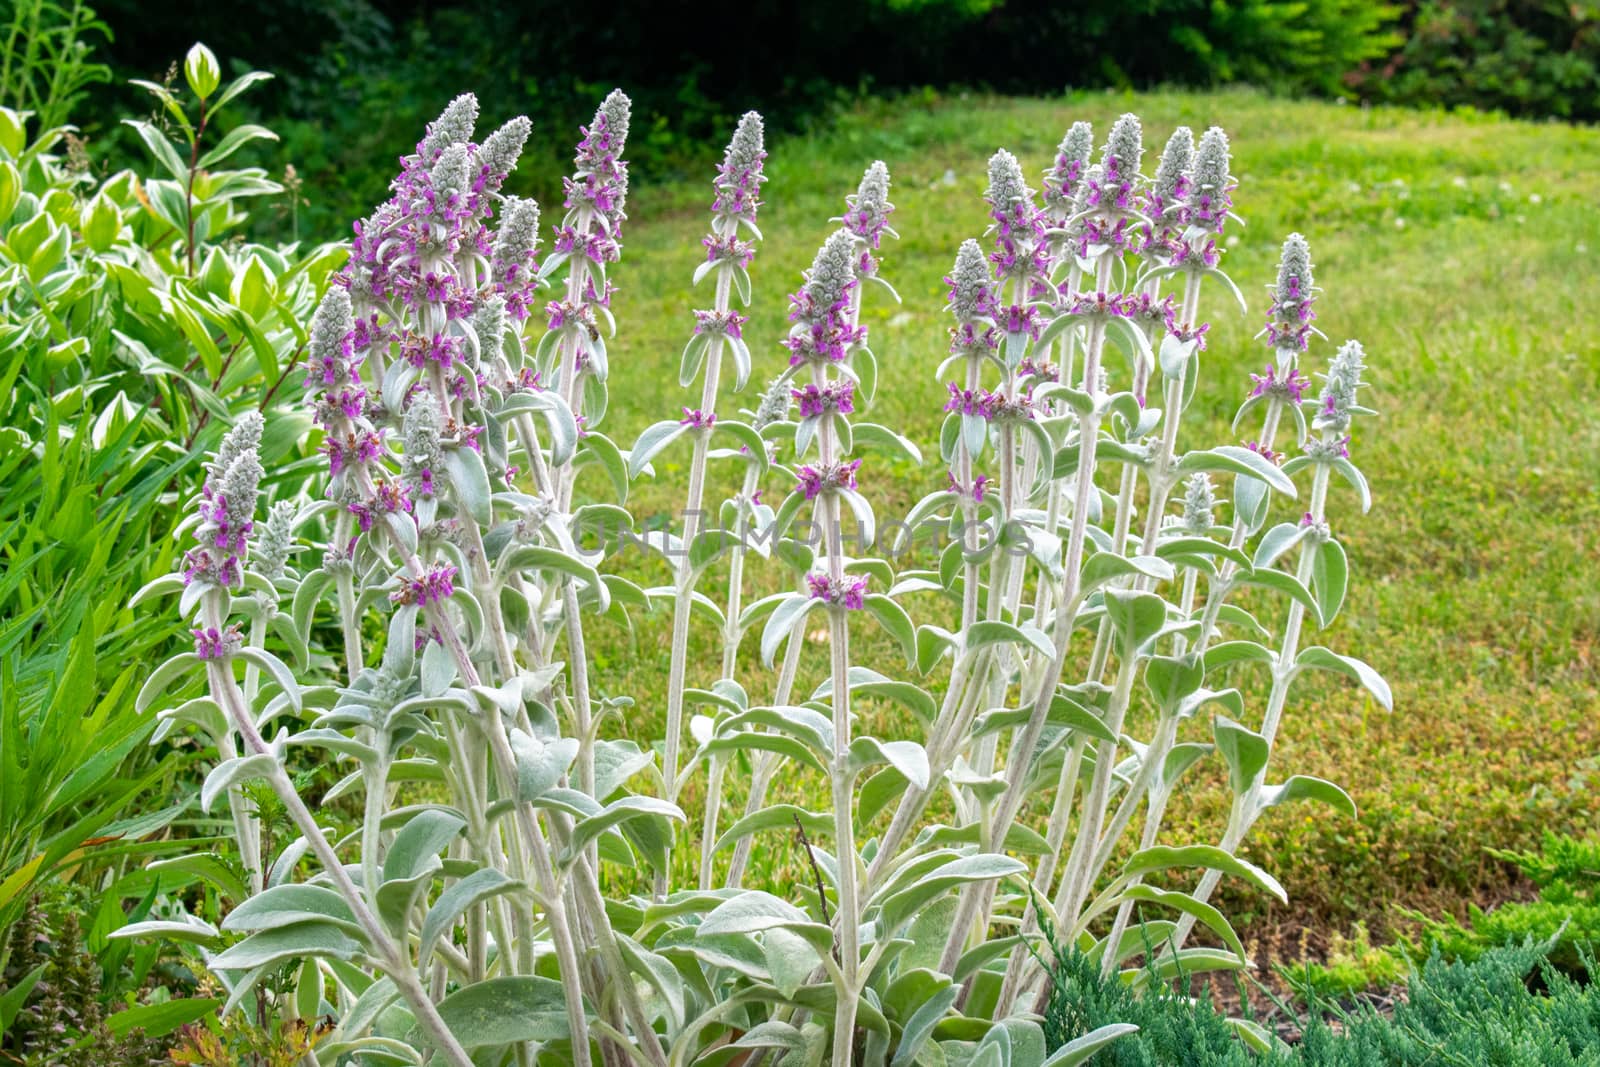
(1538, 58)
(1483, 1012)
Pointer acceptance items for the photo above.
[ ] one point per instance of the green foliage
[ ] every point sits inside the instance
(1354, 965)
(61, 1017)
(1454, 1013)
(1565, 918)
(45, 67)
(109, 345)
(1524, 57)
(359, 78)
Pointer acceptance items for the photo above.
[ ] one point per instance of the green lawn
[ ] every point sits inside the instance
(1460, 251)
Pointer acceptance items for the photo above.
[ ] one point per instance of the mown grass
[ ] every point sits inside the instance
(1460, 250)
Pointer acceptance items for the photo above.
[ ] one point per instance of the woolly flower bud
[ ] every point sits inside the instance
(1006, 186)
(516, 242)
(1062, 180)
(1198, 502)
(277, 538)
(1343, 380)
(243, 439)
(227, 508)
(870, 209)
(832, 271)
(489, 324)
(971, 285)
(1171, 179)
(421, 430)
(747, 149)
(1124, 150)
(331, 323)
(616, 109)
(499, 154)
(453, 126)
(1290, 316)
(774, 404)
(1210, 183)
(739, 178)
(451, 175)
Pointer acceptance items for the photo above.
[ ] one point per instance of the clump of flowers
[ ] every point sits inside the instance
(442, 623)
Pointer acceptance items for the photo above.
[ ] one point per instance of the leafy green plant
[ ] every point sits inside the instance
(1565, 918)
(45, 67)
(112, 360)
(1510, 1006)
(1536, 58)
(1353, 965)
(466, 455)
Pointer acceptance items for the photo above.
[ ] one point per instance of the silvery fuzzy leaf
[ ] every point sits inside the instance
(907, 757)
(1137, 616)
(754, 911)
(285, 905)
(785, 617)
(1276, 541)
(1250, 502)
(1232, 459)
(777, 817)
(1319, 658)
(275, 946)
(187, 927)
(231, 772)
(740, 351)
(1305, 787)
(615, 762)
(477, 887)
(790, 959)
(162, 678)
(1285, 583)
(772, 1034)
(1080, 1049)
(438, 669)
(1330, 575)
(503, 1011)
(1245, 751)
(467, 475)
(541, 762)
(694, 357)
(620, 810)
(966, 870)
(651, 442)
(165, 585)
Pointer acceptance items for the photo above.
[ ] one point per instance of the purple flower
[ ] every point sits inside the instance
(434, 587)
(720, 323)
(213, 644)
(388, 498)
(868, 214)
(848, 592)
(1290, 388)
(969, 401)
(1022, 318)
(819, 309)
(979, 484)
(814, 481)
(815, 400)
(700, 420)
(1265, 453)
(1104, 305)
(728, 249)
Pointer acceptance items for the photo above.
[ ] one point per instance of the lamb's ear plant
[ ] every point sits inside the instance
(438, 602)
